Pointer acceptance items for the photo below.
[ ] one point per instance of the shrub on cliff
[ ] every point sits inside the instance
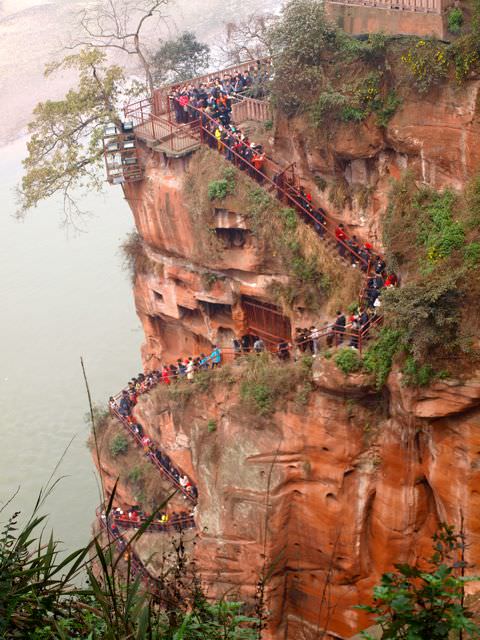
(266, 381)
(118, 445)
(427, 313)
(220, 189)
(378, 358)
(135, 258)
(348, 361)
(427, 599)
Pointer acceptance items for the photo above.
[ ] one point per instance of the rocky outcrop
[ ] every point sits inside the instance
(324, 496)
(435, 136)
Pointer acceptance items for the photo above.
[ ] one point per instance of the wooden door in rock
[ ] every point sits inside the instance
(266, 320)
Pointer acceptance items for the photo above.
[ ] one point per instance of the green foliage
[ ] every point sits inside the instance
(211, 425)
(298, 43)
(39, 599)
(416, 375)
(378, 358)
(209, 279)
(455, 20)
(118, 445)
(216, 621)
(320, 182)
(348, 361)
(181, 59)
(65, 147)
(266, 381)
(387, 109)
(355, 103)
(220, 189)
(136, 259)
(472, 204)
(427, 62)
(438, 231)
(328, 107)
(471, 254)
(279, 229)
(465, 55)
(430, 62)
(304, 43)
(136, 475)
(426, 602)
(400, 222)
(426, 313)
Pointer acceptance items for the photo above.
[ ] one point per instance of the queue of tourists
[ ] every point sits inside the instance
(212, 103)
(134, 518)
(122, 407)
(218, 92)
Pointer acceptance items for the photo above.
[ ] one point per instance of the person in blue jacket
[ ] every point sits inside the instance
(216, 356)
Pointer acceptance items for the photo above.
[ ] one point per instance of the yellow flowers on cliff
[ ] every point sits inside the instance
(428, 62)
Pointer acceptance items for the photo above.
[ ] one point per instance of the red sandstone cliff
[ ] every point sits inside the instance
(331, 495)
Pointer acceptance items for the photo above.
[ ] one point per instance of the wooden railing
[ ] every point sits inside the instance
(160, 96)
(251, 109)
(421, 6)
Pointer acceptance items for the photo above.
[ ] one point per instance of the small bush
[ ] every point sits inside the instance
(455, 20)
(427, 313)
(387, 109)
(136, 476)
(266, 381)
(328, 107)
(118, 445)
(348, 361)
(427, 63)
(378, 358)
(220, 189)
(211, 425)
(100, 415)
(320, 182)
(471, 254)
(438, 231)
(417, 375)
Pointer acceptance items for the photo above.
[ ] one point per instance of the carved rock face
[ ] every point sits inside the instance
(326, 496)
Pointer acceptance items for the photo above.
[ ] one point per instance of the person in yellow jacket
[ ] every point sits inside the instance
(218, 136)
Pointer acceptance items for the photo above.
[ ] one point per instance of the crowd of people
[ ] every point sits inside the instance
(212, 103)
(123, 407)
(135, 517)
(219, 92)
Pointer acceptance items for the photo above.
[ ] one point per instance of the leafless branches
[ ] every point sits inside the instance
(119, 25)
(246, 39)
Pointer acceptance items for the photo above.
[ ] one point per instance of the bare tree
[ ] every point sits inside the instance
(247, 39)
(119, 25)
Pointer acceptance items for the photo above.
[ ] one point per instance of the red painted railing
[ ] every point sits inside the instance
(136, 565)
(290, 195)
(153, 459)
(174, 523)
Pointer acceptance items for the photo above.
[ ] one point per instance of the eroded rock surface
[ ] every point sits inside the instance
(324, 496)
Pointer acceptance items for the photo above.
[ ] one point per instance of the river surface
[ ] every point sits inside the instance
(63, 294)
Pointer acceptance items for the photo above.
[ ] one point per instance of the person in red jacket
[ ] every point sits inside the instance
(341, 237)
(166, 375)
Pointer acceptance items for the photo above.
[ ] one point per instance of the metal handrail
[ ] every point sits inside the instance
(153, 459)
